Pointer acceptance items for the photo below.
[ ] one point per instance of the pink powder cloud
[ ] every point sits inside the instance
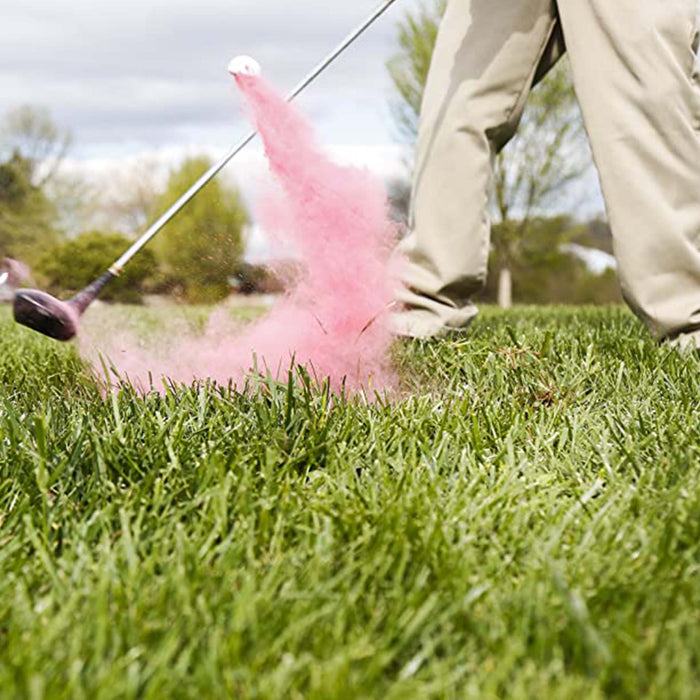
(333, 319)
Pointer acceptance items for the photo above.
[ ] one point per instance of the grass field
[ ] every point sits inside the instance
(523, 522)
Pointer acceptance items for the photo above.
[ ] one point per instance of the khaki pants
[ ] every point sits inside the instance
(633, 65)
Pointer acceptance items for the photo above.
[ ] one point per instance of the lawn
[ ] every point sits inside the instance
(523, 520)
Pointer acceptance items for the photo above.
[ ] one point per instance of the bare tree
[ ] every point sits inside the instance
(76, 202)
(121, 198)
(409, 68)
(534, 172)
(30, 132)
(131, 199)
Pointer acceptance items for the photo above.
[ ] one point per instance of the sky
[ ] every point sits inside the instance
(139, 79)
(139, 75)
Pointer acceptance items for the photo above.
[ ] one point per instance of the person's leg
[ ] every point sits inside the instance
(488, 54)
(633, 63)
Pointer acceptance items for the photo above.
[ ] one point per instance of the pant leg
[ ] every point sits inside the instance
(634, 71)
(488, 54)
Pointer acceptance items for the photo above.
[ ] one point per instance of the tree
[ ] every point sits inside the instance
(132, 198)
(201, 249)
(30, 131)
(26, 214)
(73, 264)
(76, 203)
(547, 271)
(417, 34)
(399, 194)
(32, 147)
(121, 199)
(534, 172)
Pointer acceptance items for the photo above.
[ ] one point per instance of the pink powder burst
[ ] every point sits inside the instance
(17, 272)
(333, 320)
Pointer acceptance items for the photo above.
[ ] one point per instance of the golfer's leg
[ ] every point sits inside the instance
(634, 70)
(487, 56)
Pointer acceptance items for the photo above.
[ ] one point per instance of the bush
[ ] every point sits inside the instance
(73, 264)
(545, 273)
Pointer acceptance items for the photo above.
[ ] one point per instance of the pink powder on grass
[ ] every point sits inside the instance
(334, 318)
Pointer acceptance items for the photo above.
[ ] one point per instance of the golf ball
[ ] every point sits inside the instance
(244, 65)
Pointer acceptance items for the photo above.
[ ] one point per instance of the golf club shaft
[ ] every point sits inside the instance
(217, 167)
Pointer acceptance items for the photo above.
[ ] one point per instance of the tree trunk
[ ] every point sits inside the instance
(505, 288)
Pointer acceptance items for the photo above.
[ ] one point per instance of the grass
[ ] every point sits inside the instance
(523, 522)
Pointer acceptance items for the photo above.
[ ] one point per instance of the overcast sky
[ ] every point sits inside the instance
(148, 77)
(137, 75)
(139, 79)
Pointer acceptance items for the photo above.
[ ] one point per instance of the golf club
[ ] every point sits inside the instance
(59, 319)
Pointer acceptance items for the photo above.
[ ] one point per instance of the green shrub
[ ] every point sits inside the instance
(71, 265)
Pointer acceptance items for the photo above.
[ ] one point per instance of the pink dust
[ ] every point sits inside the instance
(333, 319)
(17, 272)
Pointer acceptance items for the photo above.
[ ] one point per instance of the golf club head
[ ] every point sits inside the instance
(57, 319)
(46, 314)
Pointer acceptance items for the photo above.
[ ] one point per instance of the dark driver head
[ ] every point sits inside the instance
(46, 314)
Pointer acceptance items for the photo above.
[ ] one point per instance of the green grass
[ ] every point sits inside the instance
(523, 522)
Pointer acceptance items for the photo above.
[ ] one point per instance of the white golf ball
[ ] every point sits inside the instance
(244, 65)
